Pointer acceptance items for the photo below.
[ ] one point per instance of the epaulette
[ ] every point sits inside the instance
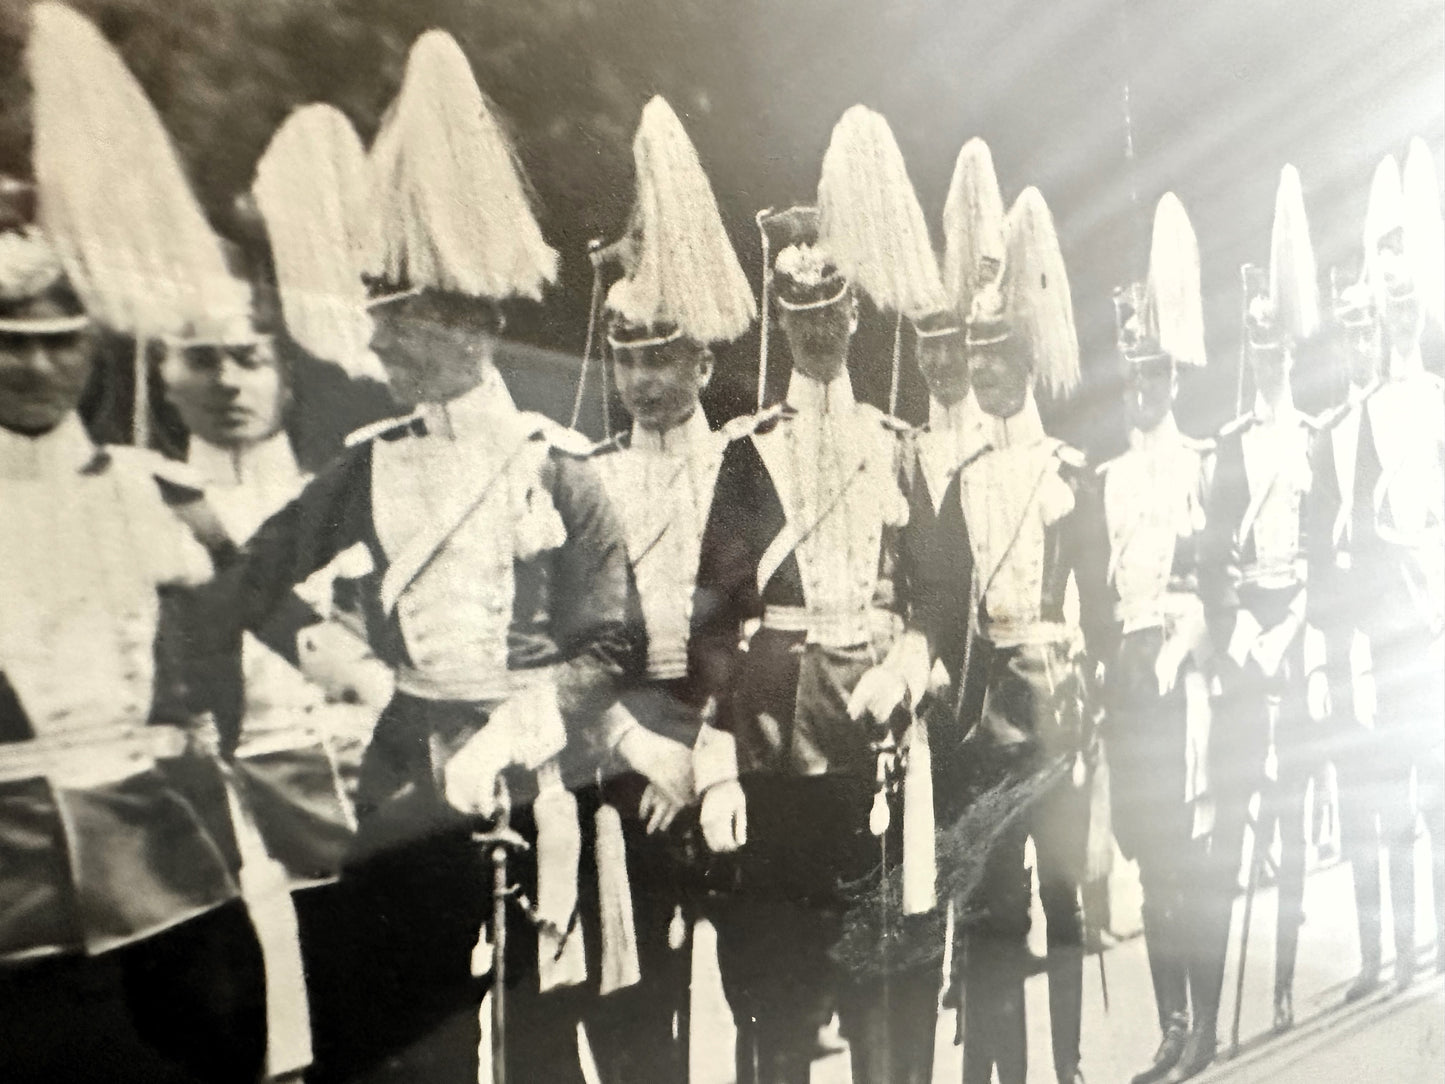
(745, 425)
(178, 481)
(386, 429)
(1238, 425)
(560, 437)
(1327, 419)
(617, 442)
(1202, 445)
(1071, 457)
(764, 421)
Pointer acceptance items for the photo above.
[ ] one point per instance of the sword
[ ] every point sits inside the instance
(1256, 865)
(499, 839)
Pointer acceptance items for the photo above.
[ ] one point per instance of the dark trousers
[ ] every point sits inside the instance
(801, 885)
(1147, 736)
(1240, 743)
(389, 949)
(186, 1005)
(640, 1033)
(995, 948)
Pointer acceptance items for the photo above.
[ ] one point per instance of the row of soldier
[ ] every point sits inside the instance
(816, 676)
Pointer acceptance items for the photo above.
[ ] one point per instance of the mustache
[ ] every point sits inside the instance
(27, 383)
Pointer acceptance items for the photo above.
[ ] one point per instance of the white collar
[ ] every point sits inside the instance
(683, 438)
(64, 450)
(1165, 433)
(268, 461)
(1023, 429)
(1404, 366)
(473, 413)
(809, 396)
(1269, 413)
(962, 417)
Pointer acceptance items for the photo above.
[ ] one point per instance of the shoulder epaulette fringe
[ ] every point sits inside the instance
(387, 429)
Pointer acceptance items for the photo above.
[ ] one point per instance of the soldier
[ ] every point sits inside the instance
(682, 290)
(1030, 547)
(494, 582)
(799, 547)
(1156, 694)
(957, 431)
(1396, 525)
(118, 889)
(1338, 608)
(1253, 583)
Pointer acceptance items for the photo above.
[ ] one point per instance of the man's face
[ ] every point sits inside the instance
(42, 377)
(1271, 365)
(1361, 347)
(660, 385)
(1402, 313)
(819, 339)
(943, 361)
(1150, 387)
(229, 396)
(427, 358)
(1000, 382)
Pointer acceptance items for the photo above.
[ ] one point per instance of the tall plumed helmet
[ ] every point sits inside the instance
(973, 226)
(1174, 298)
(681, 276)
(312, 188)
(1293, 278)
(453, 209)
(870, 221)
(112, 196)
(31, 275)
(1036, 294)
(1424, 231)
(1385, 212)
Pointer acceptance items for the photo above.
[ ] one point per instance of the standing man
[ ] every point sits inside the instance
(1371, 795)
(1253, 583)
(800, 551)
(682, 290)
(1398, 528)
(1156, 693)
(118, 890)
(1031, 555)
(493, 580)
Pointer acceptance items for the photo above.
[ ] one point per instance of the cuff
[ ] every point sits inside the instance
(616, 723)
(910, 659)
(538, 733)
(714, 758)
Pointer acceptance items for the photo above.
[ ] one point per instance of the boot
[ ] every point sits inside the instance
(1198, 1053)
(1366, 982)
(1283, 1008)
(1171, 1048)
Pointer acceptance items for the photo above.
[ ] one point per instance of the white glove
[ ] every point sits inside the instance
(666, 764)
(470, 776)
(877, 695)
(724, 816)
(657, 810)
(1317, 695)
(1166, 666)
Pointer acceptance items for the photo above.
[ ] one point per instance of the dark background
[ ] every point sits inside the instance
(1219, 95)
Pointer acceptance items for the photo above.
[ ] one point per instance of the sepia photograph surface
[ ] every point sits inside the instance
(683, 542)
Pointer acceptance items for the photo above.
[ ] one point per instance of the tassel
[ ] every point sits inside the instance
(620, 967)
(560, 957)
(677, 930)
(920, 861)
